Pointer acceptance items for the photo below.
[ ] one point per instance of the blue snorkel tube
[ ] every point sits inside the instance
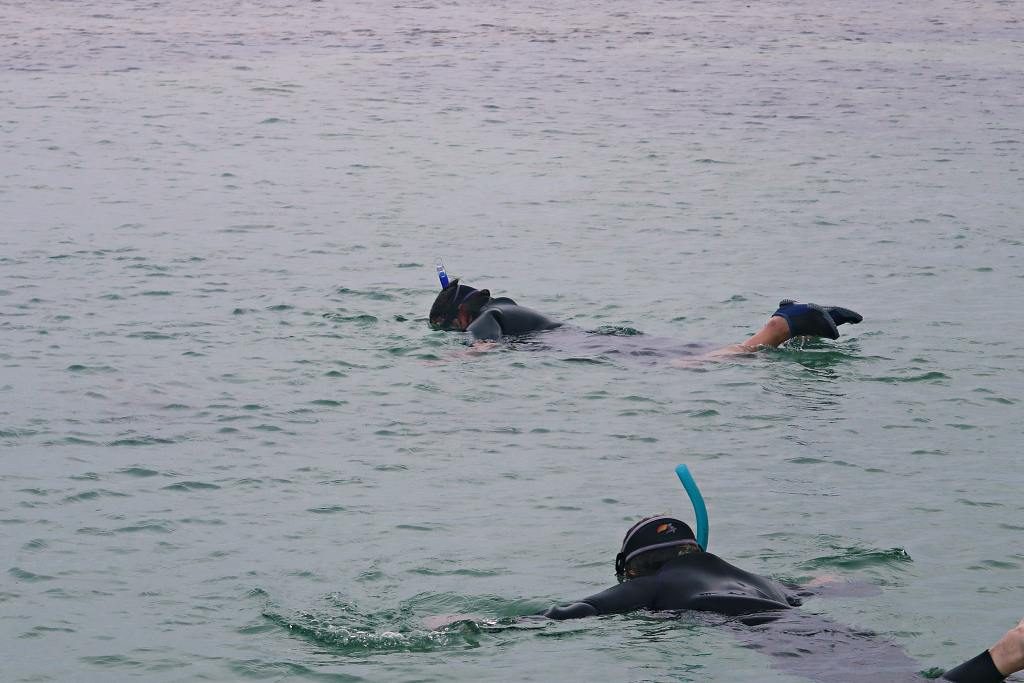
(700, 510)
(441, 274)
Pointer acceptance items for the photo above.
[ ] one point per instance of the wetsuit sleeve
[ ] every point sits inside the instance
(981, 669)
(626, 597)
(486, 327)
(576, 610)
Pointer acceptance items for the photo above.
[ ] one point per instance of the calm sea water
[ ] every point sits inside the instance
(232, 449)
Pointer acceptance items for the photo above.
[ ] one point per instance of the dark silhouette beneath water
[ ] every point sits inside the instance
(819, 649)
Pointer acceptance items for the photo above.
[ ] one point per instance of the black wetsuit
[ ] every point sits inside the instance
(799, 643)
(981, 669)
(700, 581)
(503, 317)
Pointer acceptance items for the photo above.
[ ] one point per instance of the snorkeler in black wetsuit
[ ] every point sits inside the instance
(699, 581)
(466, 309)
(661, 568)
(462, 307)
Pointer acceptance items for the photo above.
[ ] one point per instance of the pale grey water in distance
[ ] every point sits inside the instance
(233, 450)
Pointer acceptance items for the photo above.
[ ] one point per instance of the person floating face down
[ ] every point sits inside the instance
(661, 568)
(466, 309)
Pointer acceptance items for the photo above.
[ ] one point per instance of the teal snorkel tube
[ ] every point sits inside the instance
(700, 510)
(442, 275)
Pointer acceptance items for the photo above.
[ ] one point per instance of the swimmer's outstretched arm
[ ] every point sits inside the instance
(625, 597)
(995, 663)
(576, 610)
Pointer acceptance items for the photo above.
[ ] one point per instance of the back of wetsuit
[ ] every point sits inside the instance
(502, 317)
(699, 581)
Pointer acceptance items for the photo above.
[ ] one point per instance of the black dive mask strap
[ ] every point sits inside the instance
(462, 292)
(620, 565)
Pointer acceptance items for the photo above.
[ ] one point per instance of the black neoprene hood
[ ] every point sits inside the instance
(652, 533)
(446, 305)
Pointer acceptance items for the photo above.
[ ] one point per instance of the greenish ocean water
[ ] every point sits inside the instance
(232, 449)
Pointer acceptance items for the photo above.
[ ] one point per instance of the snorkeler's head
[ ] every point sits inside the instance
(650, 543)
(456, 306)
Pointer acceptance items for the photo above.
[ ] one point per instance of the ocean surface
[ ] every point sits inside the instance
(232, 449)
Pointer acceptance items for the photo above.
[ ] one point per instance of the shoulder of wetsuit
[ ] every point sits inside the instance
(702, 558)
(774, 594)
(701, 562)
(516, 319)
(707, 559)
(486, 326)
(980, 669)
(576, 610)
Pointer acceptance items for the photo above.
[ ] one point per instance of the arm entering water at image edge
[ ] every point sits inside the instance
(994, 664)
